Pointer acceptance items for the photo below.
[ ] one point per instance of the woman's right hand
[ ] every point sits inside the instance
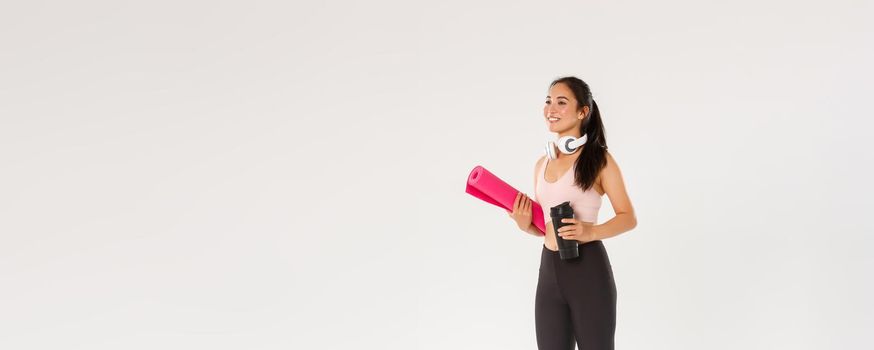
(521, 211)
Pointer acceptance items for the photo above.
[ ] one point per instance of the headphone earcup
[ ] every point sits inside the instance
(570, 144)
(550, 150)
(564, 144)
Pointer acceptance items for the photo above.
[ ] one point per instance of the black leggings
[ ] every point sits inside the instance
(576, 300)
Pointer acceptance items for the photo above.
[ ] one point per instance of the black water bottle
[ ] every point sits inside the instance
(567, 248)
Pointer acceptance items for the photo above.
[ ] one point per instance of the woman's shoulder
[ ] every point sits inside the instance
(609, 161)
(609, 165)
(610, 168)
(537, 166)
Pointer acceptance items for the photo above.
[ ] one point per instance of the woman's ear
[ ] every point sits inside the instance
(584, 112)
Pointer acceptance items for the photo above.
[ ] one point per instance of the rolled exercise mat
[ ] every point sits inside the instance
(486, 186)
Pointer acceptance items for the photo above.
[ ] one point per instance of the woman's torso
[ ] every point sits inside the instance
(555, 185)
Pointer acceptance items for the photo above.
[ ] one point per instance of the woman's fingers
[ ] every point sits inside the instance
(522, 204)
(567, 228)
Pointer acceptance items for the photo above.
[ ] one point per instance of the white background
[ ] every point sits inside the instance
(184, 175)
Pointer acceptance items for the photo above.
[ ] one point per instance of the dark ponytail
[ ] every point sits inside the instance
(594, 152)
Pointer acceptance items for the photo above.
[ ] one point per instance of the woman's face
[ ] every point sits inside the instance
(561, 104)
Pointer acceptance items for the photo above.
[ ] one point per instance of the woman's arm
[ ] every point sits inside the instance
(614, 187)
(533, 230)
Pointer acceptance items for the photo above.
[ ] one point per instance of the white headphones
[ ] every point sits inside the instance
(566, 144)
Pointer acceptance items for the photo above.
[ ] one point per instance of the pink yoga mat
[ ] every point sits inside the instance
(486, 186)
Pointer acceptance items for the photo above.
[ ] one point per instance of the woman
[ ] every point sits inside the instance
(576, 298)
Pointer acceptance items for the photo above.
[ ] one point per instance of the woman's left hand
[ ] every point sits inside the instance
(577, 230)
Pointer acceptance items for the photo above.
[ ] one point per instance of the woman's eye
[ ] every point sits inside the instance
(547, 102)
(561, 103)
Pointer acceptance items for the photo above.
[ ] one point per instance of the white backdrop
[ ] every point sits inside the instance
(258, 175)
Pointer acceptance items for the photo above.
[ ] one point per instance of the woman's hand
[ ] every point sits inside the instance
(521, 211)
(577, 230)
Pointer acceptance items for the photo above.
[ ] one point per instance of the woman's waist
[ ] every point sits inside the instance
(596, 245)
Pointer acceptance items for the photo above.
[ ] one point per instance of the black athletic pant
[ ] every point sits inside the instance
(576, 300)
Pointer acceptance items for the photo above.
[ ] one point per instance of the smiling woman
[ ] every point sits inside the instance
(576, 298)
